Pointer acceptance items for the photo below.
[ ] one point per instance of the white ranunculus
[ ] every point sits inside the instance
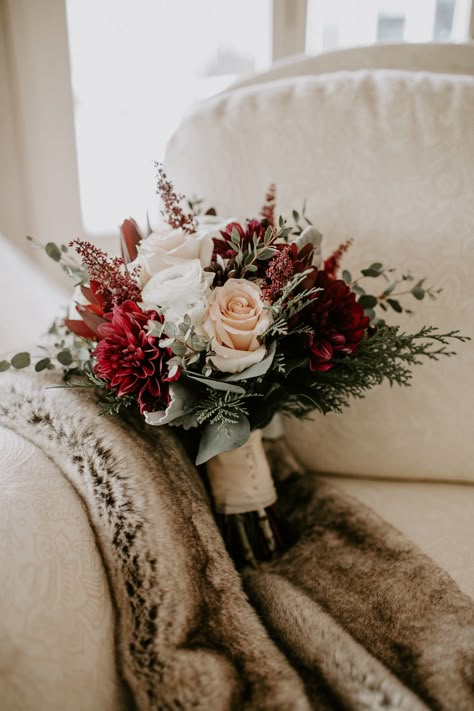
(178, 290)
(168, 247)
(236, 318)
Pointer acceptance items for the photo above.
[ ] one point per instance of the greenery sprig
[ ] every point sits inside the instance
(62, 256)
(389, 354)
(389, 297)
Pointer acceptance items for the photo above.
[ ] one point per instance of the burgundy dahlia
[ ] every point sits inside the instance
(337, 322)
(130, 359)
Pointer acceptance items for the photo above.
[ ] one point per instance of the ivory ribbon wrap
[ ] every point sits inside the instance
(241, 479)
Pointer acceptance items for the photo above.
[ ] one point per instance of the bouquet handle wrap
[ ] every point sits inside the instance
(241, 480)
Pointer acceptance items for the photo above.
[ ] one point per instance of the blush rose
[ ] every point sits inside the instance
(236, 318)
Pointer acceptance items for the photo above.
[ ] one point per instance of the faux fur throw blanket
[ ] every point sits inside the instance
(352, 616)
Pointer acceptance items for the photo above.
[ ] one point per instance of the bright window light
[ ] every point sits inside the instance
(136, 69)
(349, 23)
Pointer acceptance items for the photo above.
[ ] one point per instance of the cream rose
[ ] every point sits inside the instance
(168, 247)
(235, 319)
(178, 290)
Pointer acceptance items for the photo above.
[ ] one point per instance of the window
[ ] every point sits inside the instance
(136, 68)
(348, 23)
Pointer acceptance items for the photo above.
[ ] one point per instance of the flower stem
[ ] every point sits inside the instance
(266, 530)
(246, 547)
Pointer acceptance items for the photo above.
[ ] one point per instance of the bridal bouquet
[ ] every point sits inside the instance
(216, 326)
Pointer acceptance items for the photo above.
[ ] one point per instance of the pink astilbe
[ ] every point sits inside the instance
(332, 263)
(113, 283)
(173, 212)
(268, 209)
(279, 272)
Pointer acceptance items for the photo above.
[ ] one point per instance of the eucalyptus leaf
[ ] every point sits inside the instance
(179, 349)
(418, 292)
(155, 328)
(267, 253)
(42, 364)
(257, 370)
(217, 438)
(375, 270)
(170, 329)
(395, 305)
(347, 276)
(389, 289)
(53, 251)
(367, 301)
(371, 314)
(268, 235)
(4, 365)
(173, 371)
(235, 236)
(21, 360)
(213, 384)
(65, 357)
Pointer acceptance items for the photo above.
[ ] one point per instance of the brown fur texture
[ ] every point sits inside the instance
(352, 616)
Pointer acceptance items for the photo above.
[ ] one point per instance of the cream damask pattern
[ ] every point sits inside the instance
(386, 157)
(56, 615)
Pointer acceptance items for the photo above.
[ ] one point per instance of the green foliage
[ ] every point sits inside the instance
(246, 259)
(220, 437)
(187, 346)
(65, 357)
(223, 408)
(389, 354)
(44, 364)
(301, 221)
(61, 255)
(53, 251)
(21, 360)
(288, 305)
(389, 298)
